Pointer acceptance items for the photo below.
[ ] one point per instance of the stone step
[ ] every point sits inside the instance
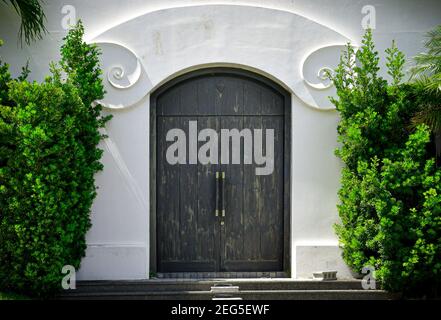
(243, 294)
(221, 275)
(207, 289)
(170, 285)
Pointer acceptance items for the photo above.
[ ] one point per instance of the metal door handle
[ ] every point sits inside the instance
(222, 194)
(216, 211)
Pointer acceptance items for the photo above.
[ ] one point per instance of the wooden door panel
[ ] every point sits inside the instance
(253, 231)
(168, 201)
(188, 235)
(208, 225)
(271, 214)
(232, 232)
(185, 206)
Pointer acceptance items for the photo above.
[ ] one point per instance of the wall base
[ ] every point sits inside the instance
(114, 262)
(311, 259)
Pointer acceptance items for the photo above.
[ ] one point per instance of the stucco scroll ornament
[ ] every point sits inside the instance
(325, 60)
(125, 79)
(316, 68)
(117, 74)
(323, 75)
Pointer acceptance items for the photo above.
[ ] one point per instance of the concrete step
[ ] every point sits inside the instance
(204, 289)
(243, 294)
(170, 285)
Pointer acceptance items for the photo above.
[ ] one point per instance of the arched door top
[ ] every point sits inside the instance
(219, 71)
(217, 207)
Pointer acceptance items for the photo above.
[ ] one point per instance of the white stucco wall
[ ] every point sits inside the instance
(153, 41)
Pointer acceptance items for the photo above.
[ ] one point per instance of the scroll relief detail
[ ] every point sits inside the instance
(316, 69)
(319, 64)
(124, 76)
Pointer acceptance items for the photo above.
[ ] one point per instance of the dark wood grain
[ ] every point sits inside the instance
(254, 234)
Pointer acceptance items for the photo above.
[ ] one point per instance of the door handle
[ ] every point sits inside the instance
(216, 211)
(223, 193)
(220, 194)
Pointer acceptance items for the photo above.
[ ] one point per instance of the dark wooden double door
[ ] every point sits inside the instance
(220, 217)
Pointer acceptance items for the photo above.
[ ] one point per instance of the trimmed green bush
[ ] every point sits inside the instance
(390, 196)
(48, 157)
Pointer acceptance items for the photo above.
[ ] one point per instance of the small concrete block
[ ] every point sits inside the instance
(224, 289)
(325, 275)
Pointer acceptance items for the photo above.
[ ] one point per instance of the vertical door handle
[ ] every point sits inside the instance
(223, 193)
(216, 211)
(220, 194)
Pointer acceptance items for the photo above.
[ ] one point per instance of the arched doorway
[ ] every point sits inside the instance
(217, 206)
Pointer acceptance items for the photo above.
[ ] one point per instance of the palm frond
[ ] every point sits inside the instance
(430, 84)
(433, 42)
(429, 114)
(426, 75)
(426, 71)
(32, 19)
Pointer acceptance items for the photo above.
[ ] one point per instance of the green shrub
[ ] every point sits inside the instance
(390, 196)
(49, 155)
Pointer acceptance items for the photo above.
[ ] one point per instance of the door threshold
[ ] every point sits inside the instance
(221, 275)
